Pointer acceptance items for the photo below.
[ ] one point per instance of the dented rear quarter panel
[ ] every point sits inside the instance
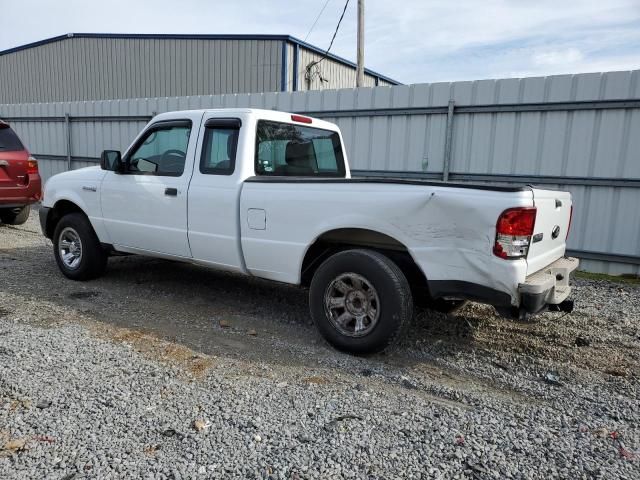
(449, 231)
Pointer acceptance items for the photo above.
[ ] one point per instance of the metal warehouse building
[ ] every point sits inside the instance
(88, 66)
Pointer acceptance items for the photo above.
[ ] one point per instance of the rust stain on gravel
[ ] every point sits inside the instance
(316, 380)
(152, 347)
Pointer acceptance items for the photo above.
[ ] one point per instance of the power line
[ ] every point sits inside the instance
(344, 10)
(326, 53)
(307, 69)
(316, 20)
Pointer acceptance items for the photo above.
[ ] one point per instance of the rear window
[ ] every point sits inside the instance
(9, 141)
(294, 150)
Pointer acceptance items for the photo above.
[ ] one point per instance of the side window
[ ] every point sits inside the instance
(293, 150)
(162, 151)
(219, 150)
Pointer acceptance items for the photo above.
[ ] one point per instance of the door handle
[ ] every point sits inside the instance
(171, 192)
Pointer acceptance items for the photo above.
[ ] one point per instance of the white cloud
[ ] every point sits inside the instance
(553, 58)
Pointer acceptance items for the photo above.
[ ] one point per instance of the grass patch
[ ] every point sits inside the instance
(632, 279)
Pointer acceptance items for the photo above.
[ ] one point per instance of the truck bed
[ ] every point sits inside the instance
(397, 181)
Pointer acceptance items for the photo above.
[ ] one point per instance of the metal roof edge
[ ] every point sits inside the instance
(340, 59)
(37, 44)
(204, 36)
(159, 36)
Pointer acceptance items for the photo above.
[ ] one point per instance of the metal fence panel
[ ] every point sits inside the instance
(574, 132)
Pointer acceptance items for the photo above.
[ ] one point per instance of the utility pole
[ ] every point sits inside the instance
(360, 67)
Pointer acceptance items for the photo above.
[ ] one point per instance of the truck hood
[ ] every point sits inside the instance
(86, 173)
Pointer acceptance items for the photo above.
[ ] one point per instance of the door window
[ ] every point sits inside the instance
(219, 150)
(162, 151)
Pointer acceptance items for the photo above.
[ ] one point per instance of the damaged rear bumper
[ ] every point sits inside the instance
(549, 287)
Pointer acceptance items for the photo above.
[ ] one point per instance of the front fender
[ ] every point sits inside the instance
(81, 189)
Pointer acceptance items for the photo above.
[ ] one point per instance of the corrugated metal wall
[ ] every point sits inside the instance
(592, 151)
(108, 68)
(98, 67)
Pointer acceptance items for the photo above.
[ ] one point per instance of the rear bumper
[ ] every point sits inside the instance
(547, 289)
(549, 286)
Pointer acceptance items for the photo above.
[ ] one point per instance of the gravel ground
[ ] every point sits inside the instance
(164, 370)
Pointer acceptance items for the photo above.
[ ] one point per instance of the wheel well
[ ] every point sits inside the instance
(59, 210)
(346, 238)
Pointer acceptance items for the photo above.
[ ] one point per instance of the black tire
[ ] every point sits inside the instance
(15, 216)
(93, 258)
(390, 287)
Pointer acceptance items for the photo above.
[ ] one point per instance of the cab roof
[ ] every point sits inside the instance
(260, 114)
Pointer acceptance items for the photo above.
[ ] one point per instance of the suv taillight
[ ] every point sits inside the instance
(513, 232)
(32, 166)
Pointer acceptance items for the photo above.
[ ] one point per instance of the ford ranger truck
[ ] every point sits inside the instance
(270, 194)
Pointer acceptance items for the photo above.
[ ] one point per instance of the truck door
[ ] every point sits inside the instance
(214, 195)
(145, 207)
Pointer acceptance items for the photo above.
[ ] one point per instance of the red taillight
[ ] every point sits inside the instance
(301, 119)
(569, 226)
(517, 221)
(32, 166)
(513, 232)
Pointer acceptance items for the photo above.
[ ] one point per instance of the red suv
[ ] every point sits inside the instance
(20, 183)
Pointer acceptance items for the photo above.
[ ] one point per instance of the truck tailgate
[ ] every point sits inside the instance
(553, 219)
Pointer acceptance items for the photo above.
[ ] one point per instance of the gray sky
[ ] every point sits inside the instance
(412, 41)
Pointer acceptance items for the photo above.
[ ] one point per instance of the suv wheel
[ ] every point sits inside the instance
(77, 249)
(360, 301)
(15, 216)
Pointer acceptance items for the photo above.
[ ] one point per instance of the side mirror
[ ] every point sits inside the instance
(111, 160)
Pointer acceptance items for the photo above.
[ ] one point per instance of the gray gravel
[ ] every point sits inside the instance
(162, 370)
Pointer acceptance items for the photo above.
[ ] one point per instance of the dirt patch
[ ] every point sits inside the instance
(83, 295)
(193, 363)
(436, 375)
(556, 339)
(316, 380)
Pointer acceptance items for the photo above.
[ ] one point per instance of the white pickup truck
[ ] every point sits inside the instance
(270, 194)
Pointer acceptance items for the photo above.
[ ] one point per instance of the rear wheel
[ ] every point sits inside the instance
(15, 216)
(77, 249)
(360, 301)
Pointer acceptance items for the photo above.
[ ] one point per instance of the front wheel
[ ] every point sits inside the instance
(360, 301)
(77, 249)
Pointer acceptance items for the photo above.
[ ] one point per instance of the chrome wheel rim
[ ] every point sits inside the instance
(352, 305)
(70, 248)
